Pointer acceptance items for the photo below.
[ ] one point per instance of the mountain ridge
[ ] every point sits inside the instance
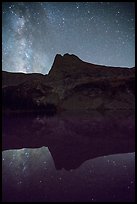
(71, 84)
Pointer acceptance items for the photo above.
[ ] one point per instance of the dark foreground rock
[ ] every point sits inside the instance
(71, 84)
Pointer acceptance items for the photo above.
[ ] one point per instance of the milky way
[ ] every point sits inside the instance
(98, 32)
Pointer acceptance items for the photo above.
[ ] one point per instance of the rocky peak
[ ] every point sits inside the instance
(66, 59)
(71, 58)
(70, 64)
(64, 64)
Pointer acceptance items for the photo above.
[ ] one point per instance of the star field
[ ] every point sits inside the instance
(97, 32)
(100, 179)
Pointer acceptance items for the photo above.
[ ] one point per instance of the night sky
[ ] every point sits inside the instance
(97, 32)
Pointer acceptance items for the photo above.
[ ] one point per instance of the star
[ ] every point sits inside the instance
(19, 182)
(46, 28)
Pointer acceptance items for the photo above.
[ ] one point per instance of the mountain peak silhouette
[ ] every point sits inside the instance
(71, 84)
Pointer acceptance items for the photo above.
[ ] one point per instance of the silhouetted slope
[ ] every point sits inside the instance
(71, 84)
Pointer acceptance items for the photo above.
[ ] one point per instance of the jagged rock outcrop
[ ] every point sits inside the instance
(71, 84)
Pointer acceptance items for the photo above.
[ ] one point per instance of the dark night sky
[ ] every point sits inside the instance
(97, 32)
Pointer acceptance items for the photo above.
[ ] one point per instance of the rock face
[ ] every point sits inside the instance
(71, 84)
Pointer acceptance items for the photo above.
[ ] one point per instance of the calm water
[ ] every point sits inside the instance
(69, 157)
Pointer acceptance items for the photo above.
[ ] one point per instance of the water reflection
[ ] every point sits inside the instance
(72, 165)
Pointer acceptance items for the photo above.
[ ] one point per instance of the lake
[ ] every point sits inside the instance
(70, 157)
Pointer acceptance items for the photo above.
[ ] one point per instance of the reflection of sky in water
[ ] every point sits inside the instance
(31, 173)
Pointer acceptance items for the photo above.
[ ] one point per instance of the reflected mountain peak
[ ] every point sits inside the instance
(72, 138)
